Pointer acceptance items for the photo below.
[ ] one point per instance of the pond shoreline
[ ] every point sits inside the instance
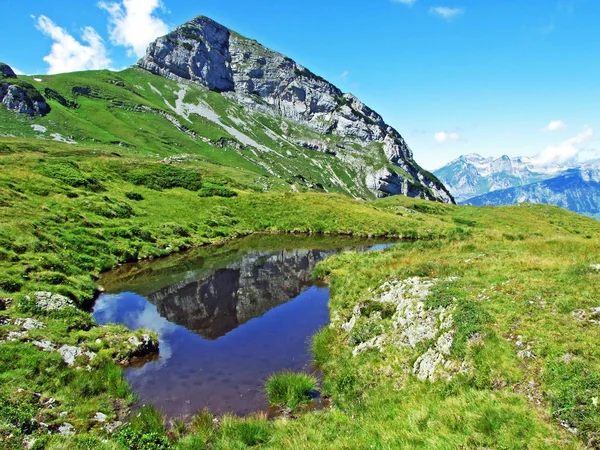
(250, 306)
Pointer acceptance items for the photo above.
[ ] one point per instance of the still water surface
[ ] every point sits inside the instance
(227, 316)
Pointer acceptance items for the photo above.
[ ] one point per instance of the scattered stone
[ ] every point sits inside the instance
(143, 346)
(51, 403)
(64, 414)
(46, 346)
(377, 342)
(567, 358)
(29, 324)
(430, 366)
(591, 316)
(113, 426)
(15, 335)
(595, 267)
(526, 354)
(413, 324)
(39, 128)
(51, 302)
(349, 326)
(29, 442)
(100, 417)
(70, 353)
(66, 429)
(4, 321)
(569, 428)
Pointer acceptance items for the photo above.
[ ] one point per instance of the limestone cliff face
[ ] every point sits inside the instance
(19, 96)
(205, 52)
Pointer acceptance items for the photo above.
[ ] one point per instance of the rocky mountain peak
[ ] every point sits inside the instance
(262, 80)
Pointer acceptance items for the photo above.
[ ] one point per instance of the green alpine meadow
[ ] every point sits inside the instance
(462, 327)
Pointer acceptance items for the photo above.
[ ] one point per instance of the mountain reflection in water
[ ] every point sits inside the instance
(226, 322)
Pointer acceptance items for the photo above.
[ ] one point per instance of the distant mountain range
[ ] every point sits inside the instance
(476, 180)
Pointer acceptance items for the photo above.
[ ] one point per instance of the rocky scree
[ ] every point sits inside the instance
(123, 348)
(412, 326)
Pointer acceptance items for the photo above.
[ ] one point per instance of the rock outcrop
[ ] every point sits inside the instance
(19, 96)
(207, 53)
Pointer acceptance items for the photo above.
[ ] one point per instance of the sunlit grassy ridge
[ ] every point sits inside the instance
(522, 279)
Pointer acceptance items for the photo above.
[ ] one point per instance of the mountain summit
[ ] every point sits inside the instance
(269, 83)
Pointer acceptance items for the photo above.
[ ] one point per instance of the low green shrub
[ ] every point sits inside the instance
(69, 173)
(164, 176)
(134, 196)
(10, 283)
(211, 190)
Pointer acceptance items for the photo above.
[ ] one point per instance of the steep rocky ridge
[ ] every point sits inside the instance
(207, 53)
(19, 96)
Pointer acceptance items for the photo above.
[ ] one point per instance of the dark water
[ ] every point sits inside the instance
(228, 317)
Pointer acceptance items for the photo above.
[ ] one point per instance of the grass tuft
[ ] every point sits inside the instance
(290, 389)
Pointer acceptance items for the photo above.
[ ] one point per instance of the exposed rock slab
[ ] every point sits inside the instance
(49, 301)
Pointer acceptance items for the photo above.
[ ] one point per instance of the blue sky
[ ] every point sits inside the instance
(453, 76)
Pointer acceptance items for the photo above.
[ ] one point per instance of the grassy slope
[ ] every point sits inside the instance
(57, 230)
(528, 268)
(104, 107)
(66, 216)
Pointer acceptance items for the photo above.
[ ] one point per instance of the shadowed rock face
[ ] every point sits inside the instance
(245, 289)
(207, 53)
(19, 96)
(6, 71)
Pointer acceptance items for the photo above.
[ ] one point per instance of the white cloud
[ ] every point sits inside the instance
(555, 125)
(565, 151)
(70, 55)
(443, 137)
(133, 24)
(446, 12)
(405, 2)
(17, 71)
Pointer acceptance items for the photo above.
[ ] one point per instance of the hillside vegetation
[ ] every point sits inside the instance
(512, 290)
(155, 116)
